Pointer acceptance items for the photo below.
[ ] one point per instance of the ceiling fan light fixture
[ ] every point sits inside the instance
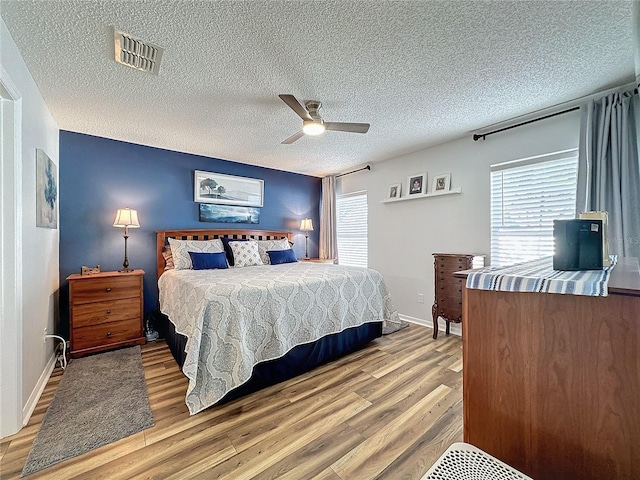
(313, 127)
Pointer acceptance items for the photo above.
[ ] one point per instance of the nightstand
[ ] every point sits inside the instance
(105, 311)
(317, 260)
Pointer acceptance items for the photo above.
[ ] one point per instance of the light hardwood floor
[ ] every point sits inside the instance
(387, 411)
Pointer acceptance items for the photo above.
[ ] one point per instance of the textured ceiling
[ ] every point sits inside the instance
(420, 72)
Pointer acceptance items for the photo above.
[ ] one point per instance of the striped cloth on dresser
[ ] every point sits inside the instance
(539, 276)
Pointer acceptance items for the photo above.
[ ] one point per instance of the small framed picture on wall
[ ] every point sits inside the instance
(417, 184)
(441, 183)
(394, 191)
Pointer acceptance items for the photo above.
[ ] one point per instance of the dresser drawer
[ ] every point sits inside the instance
(452, 264)
(88, 314)
(105, 289)
(449, 308)
(452, 301)
(449, 280)
(447, 271)
(105, 334)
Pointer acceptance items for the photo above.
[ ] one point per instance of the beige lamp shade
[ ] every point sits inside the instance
(306, 225)
(125, 217)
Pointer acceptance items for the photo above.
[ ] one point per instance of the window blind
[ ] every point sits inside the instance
(525, 199)
(351, 229)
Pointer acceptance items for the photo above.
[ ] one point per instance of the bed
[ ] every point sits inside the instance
(236, 330)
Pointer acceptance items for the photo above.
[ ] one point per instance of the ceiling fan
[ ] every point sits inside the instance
(312, 122)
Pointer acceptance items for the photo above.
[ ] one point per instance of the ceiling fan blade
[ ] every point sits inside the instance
(296, 106)
(293, 138)
(347, 127)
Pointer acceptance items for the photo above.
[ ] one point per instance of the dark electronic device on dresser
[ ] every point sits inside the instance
(577, 244)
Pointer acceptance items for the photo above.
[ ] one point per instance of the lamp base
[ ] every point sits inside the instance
(125, 264)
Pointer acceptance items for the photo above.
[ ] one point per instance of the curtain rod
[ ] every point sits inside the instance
(571, 106)
(368, 167)
(483, 136)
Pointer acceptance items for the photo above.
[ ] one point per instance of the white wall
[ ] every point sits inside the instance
(404, 235)
(39, 262)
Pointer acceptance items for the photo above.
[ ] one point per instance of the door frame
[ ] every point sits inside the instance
(11, 288)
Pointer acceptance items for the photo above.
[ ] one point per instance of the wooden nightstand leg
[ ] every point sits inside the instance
(434, 314)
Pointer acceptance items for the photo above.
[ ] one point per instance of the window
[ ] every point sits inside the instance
(526, 196)
(351, 229)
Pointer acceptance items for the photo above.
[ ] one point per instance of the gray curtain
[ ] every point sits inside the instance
(328, 239)
(609, 168)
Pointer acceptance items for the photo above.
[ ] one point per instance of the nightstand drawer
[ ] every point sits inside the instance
(105, 334)
(105, 289)
(89, 314)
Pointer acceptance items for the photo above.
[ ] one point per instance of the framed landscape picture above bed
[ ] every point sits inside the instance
(209, 187)
(229, 214)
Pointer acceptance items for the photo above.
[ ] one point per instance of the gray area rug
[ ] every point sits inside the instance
(391, 327)
(100, 399)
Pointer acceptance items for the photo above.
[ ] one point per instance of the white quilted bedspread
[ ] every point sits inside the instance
(238, 317)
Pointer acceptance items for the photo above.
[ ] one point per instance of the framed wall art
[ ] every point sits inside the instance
(417, 184)
(209, 187)
(229, 214)
(46, 191)
(441, 183)
(394, 191)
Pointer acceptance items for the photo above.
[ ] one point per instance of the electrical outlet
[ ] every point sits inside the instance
(421, 298)
(44, 336)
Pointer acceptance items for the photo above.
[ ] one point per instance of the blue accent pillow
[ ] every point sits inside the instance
(208, 261)
(227, 247)
(282, 256)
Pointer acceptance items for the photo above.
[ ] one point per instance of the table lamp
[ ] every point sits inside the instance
(126, 218)
(306, 226)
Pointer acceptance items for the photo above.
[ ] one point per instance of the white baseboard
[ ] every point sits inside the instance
(30, 406)
(455, 328)
(419, 321)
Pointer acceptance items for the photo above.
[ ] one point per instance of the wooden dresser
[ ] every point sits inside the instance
(105, 311)
(551, 383)
(448, 289)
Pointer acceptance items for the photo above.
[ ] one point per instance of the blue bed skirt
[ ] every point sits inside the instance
(298, 360)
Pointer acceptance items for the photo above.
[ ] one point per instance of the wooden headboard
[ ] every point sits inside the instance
(204, 234)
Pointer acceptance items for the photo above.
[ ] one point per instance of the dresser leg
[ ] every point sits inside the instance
(434, 314)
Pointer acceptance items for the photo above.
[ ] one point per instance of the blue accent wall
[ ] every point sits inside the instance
(99, 175)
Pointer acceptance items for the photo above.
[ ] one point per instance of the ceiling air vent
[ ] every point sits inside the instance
(136, 53)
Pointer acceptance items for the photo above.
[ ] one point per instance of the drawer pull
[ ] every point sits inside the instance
(108, 312)
(108, 334)
(108, 289)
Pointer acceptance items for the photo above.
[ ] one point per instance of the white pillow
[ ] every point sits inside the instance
(180, 250)
(265, 245)
(245, 254)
